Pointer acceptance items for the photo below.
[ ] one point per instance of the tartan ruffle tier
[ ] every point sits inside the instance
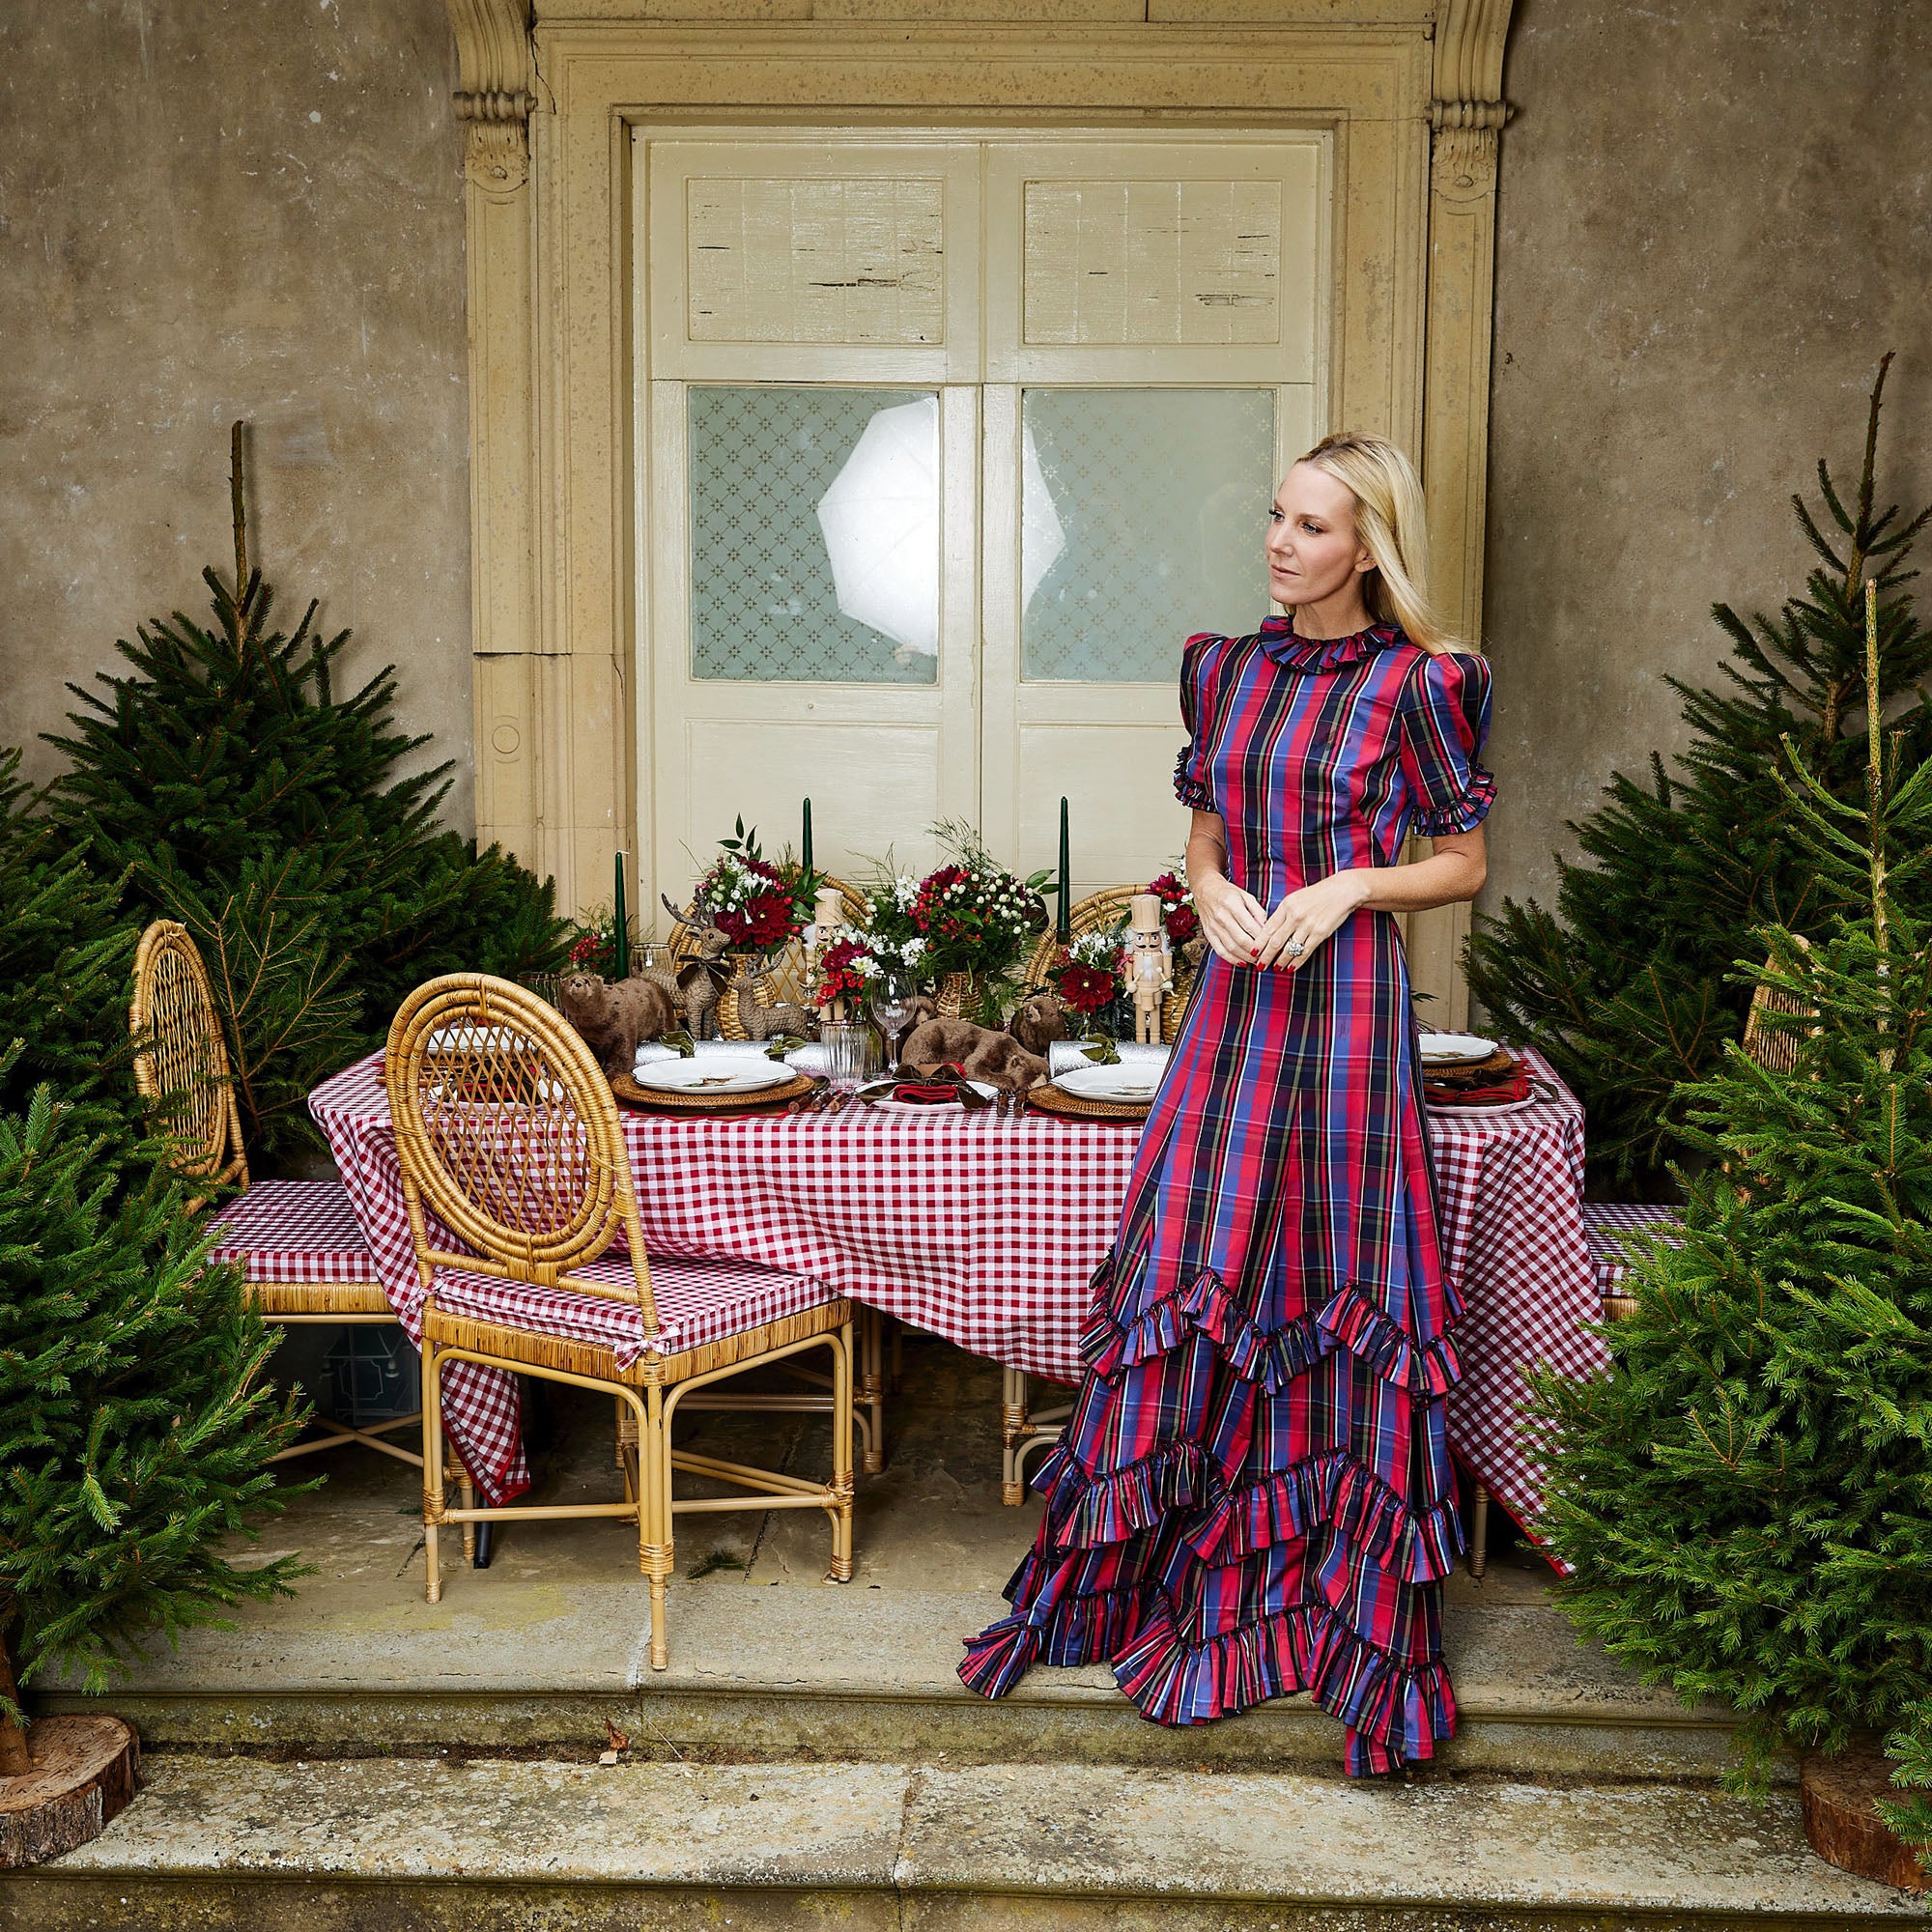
(1255, 1493)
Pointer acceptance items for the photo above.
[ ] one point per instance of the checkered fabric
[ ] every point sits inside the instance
(294, 1231)
(1607, 1222)
(987, 1230)
(697, 1302)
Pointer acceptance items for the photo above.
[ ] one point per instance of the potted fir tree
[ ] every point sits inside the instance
(1747, 1497)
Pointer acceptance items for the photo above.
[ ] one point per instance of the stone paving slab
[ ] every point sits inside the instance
(1480, 1851)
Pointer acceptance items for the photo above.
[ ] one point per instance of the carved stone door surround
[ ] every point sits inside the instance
(1410, 90)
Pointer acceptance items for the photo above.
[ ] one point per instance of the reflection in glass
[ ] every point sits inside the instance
(1141, 516)
(814, 534)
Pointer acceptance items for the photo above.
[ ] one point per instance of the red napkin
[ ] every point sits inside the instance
(1516, 1088)
(939, 1087)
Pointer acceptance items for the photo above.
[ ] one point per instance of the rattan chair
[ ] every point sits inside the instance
(511, 1144)
(297, 1242)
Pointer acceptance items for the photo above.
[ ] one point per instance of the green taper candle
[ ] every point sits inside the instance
(623, 924)
(1064, 928)
(804, 847)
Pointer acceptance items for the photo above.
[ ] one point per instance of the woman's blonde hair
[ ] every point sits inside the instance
(1393, 527)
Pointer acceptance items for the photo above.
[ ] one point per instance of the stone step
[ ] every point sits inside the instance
(796, 1670)
(369, 1845)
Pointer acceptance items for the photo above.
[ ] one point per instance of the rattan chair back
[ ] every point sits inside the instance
(1099, 912)
(181, 1061)
(1768, 1039)
(507, 1133)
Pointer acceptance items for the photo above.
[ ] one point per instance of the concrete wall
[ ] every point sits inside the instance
(215, 208)
(1715, 217)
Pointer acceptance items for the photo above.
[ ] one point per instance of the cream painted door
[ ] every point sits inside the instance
(948, 444)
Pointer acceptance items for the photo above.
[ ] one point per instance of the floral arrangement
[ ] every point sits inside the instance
(1091, 974)
(847, 969)
(892, 936)
(1177, 908)
(593, 948)
(975, 916)
(750, 899)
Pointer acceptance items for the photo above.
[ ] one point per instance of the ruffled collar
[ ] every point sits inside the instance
(1284, 648)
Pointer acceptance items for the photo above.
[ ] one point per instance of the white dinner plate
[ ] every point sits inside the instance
(1480, 1113)
(1126, 1082)
(1455, 1049)
(712, 1073)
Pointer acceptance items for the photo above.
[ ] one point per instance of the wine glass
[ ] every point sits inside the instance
(890, 1003)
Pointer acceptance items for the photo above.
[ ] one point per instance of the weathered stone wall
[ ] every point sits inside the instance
(1713, 218)
(215, 209)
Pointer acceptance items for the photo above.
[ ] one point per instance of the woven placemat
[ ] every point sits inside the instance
(631, 1095)
(1051, 1099)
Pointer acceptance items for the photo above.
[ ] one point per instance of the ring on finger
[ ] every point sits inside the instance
(1296, 947)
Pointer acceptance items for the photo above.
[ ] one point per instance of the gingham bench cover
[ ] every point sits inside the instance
(1604, 1222)
(697, 1302)
(294, 1231)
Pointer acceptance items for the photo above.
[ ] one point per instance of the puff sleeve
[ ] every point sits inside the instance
(1193, 779)
(1445, 719)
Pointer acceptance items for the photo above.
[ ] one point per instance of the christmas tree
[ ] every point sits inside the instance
(237, 791)
(135, 1428)
(1625, 985)
(1746, 1496)
(66, 952)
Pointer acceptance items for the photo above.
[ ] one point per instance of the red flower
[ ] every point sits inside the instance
(1085, 988)
(1176, 913)
(839, 975)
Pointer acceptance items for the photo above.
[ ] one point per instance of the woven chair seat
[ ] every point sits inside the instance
(1604, 1222)
(294, 1231)
(700, 1304)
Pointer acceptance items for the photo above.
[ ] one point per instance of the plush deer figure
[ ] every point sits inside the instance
(767, 1022)
(695, 987)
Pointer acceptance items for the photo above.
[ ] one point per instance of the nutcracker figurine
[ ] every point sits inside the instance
(1150, 973)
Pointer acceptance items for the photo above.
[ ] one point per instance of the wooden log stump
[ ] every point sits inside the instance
(1838, 1796)
(84, 1771)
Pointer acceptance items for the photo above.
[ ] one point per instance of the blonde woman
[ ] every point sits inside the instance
(1254, 1496)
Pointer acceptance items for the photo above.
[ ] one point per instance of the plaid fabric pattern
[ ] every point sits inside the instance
(294, 1231)
(696, 1302)
(1257, 1475)
(1606, 1223)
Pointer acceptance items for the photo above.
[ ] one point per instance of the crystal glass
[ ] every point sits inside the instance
(815, 533)
(890, 1003)
(1141, 516)
(851, 1053)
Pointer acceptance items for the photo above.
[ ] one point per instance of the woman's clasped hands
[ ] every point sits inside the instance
(1243, 932)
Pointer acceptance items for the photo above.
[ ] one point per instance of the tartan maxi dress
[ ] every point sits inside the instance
(1253, 1494)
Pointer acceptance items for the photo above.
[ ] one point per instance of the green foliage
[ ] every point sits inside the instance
(134, 1429)
(220, 774)
(1747, 1497)
(277, 975)
(66, 952)
(1627, 984)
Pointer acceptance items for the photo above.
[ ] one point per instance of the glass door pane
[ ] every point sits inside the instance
(1142, 516)
(814, 534)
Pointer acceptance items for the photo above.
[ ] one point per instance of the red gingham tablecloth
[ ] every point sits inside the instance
(986, 1231)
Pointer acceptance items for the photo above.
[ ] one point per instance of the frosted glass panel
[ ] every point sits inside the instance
(1141, 518)
(814, 534)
